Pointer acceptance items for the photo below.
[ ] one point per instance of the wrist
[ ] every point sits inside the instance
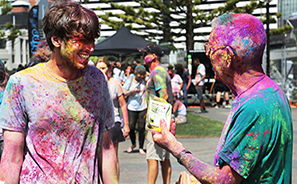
(180, 156)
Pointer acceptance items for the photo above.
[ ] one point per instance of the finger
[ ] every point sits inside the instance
(173, 128)
(163, 126)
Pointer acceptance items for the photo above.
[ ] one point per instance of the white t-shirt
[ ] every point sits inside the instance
(137, 101)
(199, 74)
(175, 83)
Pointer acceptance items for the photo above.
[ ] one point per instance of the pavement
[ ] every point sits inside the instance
(134, 168)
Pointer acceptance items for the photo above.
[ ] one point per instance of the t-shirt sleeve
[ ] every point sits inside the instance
(120, 90)
(13, 116)
(245, 140)
(201, 69)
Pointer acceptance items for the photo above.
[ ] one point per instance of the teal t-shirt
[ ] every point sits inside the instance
(257, 138)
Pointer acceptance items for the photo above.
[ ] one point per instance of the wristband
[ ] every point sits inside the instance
(132, 91)
(181, 154)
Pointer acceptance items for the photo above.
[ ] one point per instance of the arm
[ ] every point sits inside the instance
(128, 93)
(107, 160)
(175, 107)
(203, 172)
(180, 86)
(123, 106)
(189, 83)
(12, 156)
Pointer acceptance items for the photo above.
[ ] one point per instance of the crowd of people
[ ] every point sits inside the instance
(62, 119)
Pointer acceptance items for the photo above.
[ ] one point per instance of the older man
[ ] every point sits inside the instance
(256, 142)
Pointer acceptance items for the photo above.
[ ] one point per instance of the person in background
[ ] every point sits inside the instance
(137, 106)
(3, 81)
(129, 74)
(220, 88)
(256, 143)
(186, 77)
(42, 55)
(199, 84)
(179, 111)
(158, 84)
(117, 95)
(56, 116)
(176, 81)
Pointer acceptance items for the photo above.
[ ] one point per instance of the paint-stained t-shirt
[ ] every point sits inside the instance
(63, 121)
(158, 80)
(257, 138)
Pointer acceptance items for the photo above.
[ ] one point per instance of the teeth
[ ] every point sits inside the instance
(84, 56)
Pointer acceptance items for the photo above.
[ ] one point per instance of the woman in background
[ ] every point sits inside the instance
(117, 95)
(137, 106)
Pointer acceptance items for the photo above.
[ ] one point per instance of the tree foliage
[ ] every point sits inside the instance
(171, 18)
(6, 7)
(14, 31)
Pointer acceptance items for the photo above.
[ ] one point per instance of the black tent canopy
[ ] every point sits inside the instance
(123, 43)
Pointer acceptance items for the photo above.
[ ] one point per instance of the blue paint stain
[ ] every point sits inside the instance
(245, 42)
(44, 138)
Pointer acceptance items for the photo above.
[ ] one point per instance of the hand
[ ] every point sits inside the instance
(185, 178)
(166, 139)
(126, 130)
(136, 90)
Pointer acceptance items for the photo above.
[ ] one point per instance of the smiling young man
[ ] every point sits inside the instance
(256, 142)
(56, 116)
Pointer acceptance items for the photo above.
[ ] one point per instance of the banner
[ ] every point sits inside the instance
(33, 32)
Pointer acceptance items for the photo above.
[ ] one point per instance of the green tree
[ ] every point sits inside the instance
(6, 7)
(14, 31)
(184, 16)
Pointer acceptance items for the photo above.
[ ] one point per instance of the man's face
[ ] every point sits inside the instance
(217, 55)
(149, 58)
(75, 52)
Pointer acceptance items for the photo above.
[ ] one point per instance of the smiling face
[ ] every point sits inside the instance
(75, 52)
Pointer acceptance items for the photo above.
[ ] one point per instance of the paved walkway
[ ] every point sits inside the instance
(134, 169)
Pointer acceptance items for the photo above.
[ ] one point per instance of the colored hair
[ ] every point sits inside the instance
(69, 18)
(140, 69)
(244, 33)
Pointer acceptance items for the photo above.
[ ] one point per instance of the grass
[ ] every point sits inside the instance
(198, 126)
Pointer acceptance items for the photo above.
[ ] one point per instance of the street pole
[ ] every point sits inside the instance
(268, 40)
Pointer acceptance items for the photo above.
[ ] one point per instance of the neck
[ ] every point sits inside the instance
(248, 83)
(63, 71)
(154, 64)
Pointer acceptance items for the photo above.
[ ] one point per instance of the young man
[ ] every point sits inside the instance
(158, 84)
(56, 116)
(256, 142)
(199, 83)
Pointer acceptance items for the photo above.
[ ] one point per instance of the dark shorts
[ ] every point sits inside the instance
(221, 87)
(116, 133)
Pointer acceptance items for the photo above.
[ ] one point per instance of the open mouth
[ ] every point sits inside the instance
(84, 56)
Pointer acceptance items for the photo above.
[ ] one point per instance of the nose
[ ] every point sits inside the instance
(90, 46)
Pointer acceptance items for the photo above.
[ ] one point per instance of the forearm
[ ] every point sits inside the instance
(203, 172)
(12, 157)
(107, 160)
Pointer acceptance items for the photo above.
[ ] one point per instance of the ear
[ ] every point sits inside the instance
(231, 56)
(56, 41)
